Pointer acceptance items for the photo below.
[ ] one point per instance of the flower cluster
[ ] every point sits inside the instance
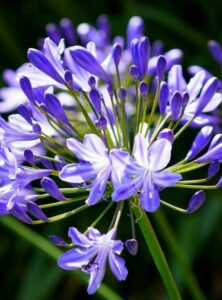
(103, 119)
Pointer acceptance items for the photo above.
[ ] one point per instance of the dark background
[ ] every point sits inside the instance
(29, 274)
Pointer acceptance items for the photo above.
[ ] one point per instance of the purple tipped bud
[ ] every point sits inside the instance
(55, 108)
(176, 106)
(92, 82)
(196, 201)
(27, 88)
(163, 97)
(200, 142)
(95, 98)
(217, 139)
(38, 59)
(68, 78)
(216, 51)
(101, 123)
(144, 89)
(68, 31)
(25, 113)
(161, 66)
(135, 29)
(215, 154)
(53, 32)
(134, 72)
(52, 189)
(88, 62)
(58, 241)
(117, 53)
(29, 156)
(167, 134)
(206, 95)
(37, 128)
(213, 169)
(36, 211)
(132, 246)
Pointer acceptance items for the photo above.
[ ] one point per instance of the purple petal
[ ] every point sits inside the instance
(159, 154)
(27, 88)
(165, 179)
(52, 189)
(38, 59)
(20, 214)
(88, 62)
(167, 134)
(176, 80)
(117, 247)
(127, 190)
(76, 258)
(3, 208)
(195, 84)
(140, 150)
(55, 108)
(200, 142)
(78, 238)
(117, 266)
(77, 172)
(196, 202)
(149, 196)
(95, 144)
(206, 95)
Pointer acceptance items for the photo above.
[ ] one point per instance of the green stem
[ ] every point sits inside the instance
(177, 252)
(48, 248)
(157, 253)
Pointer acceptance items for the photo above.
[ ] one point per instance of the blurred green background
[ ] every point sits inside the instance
(28, 273)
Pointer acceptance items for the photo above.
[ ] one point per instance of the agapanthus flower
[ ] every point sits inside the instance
(93, 252)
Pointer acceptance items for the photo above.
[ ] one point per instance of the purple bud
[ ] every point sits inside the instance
(117, 53)
(68, 78)
(161, 66)
(206, 95)
(216, 51)
(52, 189)
(163, 97)
(167, 134)
(157, 48)
(37, 128)
(88, 62)
(110, 90)
(144, 53)
(68, 31)
(101, 123)
(119, 40)
(132, 246)
(200, 142)
(123, 92)
(43, 107)
(55, 108)
(176, 106)
(36, 211)
(29, 156)
(213, 169)
(95, 98)
(27, 88)
(58, 241)
(135, 29)
(103, 26)
(185, 99)
(92, 82)
(144, 89)
(217, 139)
(196, 201)
(53, 32)
(38, 59)
(134, 72)
(25, 113)
(212, 155)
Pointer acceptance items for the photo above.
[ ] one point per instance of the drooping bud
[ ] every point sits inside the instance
(132, 246)
(196, 201)
(52, 189)
(200, 142)
(95, 99)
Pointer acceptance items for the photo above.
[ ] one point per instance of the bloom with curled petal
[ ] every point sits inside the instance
(94, 249)
(94, 165)
(145, 173)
